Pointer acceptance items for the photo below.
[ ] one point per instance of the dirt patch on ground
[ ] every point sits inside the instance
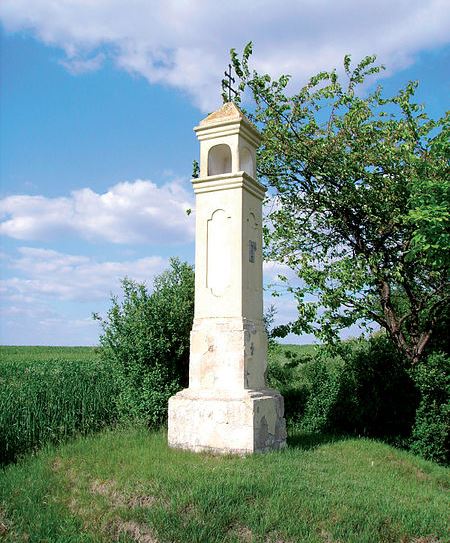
(426, 539)
(188, 510)
(57, 464)
(141, 501)
(108, 489)
(3, 528)
(273, 537)
(327, 537)
(243, 533)
(138, 532)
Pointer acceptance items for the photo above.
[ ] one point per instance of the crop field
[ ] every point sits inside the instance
(48, 394)
(43, 354)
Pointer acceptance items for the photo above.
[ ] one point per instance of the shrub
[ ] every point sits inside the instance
(325, 395)
(50, 400)
(287, 377)
(365, 389)
(383, 392)
(146, 337)
(369, 389)
(430, 434)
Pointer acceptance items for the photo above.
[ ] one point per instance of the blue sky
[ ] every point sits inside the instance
(98, 101)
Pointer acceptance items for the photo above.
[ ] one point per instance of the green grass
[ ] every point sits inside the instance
(42, 354)
(50, 393)
(127, 485)
(287, 352)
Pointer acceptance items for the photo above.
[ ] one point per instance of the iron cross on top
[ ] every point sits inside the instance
(227, 84)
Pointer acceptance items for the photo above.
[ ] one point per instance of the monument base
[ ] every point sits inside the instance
(243, 422)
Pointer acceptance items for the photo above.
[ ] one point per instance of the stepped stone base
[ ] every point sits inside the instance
(224, 422)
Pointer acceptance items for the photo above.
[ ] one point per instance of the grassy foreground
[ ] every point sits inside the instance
(126, 485)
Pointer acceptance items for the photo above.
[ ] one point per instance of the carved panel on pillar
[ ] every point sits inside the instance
(218, 261)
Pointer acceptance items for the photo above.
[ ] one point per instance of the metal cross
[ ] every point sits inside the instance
(227, 84)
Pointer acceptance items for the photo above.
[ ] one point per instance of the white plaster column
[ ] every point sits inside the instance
(228, 407)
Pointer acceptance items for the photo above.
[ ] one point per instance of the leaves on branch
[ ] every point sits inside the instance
(361, 200)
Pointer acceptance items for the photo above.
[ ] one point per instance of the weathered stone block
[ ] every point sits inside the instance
(205, 420)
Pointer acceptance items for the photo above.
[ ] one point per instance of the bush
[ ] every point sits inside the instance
(365, 390)
(287, 377)
(146, 337)
(50, 400)
(430, 434)
(326, 395)
(368, 389)
(384, 395)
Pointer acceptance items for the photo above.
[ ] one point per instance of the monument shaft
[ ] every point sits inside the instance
(227, 407)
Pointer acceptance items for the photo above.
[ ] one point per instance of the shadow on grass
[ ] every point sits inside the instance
(299, 439)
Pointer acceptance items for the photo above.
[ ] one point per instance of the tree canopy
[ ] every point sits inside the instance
(360, 192)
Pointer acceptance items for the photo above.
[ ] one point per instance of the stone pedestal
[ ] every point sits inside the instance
(228, 407)
(245, 422)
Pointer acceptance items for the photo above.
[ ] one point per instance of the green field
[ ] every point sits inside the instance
(48, 394)
(42, 354)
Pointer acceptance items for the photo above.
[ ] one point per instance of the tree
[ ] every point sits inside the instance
(360, 196)
(146, 337)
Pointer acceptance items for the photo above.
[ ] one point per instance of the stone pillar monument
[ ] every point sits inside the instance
(228, 407)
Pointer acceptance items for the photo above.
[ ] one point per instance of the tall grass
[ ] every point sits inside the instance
(49, 394)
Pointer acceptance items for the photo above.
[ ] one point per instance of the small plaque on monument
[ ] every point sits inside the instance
(251, 250)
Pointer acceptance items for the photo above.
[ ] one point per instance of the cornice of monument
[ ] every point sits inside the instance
(229, 181)
(227, 120)
(228, 111)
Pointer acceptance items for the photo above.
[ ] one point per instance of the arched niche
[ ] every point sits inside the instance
(219, 159)
(246, 161)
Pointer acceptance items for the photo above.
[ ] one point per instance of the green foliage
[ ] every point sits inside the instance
(364, 389)
(49, 394)
(325, 391)
(380, 398)
(367, 387)
(146, 338)
(431, 432)
(369, 392)
(285, 372)
(429, 204)
(195, 169)
(361, 208)
(269, 318)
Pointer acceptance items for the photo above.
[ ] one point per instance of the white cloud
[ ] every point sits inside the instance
(44, 274)
(185, 43)
(273, 270)
(138, 212)
(83, 65)
(51, 295)
(38, 325)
